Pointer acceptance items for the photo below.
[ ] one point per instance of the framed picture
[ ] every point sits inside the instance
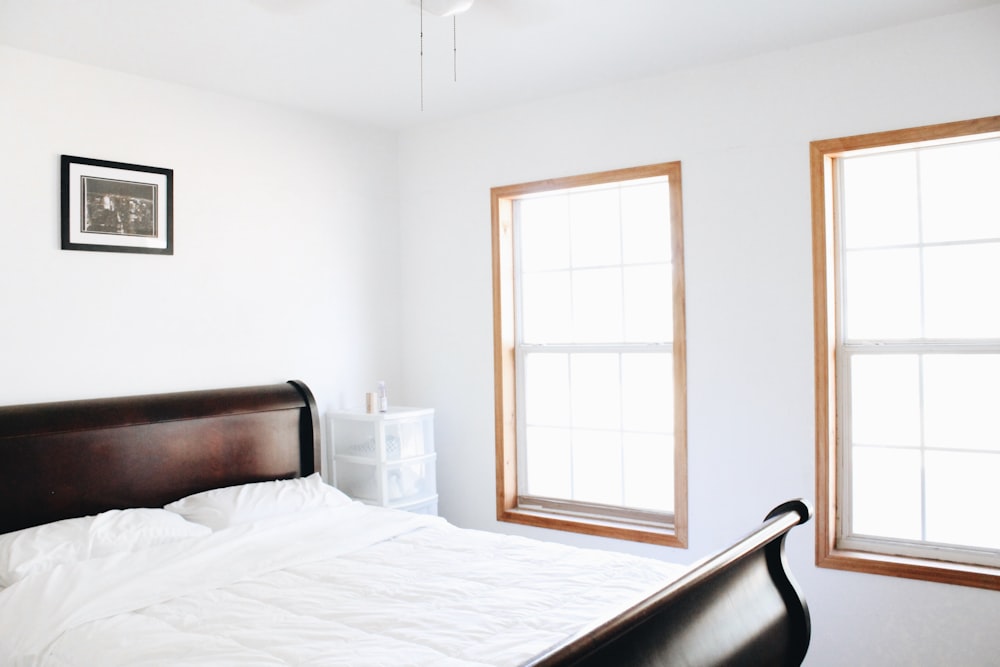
(116, 207)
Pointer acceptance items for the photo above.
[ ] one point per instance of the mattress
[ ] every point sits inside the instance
(347, 585)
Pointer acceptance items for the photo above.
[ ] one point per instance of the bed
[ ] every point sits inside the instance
(205, 536)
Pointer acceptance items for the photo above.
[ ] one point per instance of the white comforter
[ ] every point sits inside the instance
(351, 586)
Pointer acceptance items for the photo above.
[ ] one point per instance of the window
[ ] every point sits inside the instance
(906, 231)
(588, 288)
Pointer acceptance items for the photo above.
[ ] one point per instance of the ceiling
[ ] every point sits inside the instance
(360, 59)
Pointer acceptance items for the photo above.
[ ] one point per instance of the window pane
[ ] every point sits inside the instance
(546, 306)
(885, 485)
(597, 305)
(960, 287)
(595, 234)
(962, 401)
(546, 389)
(649, 304)
(960, 199)
(596, 391)
(597, 466)
(646, 223)
(648, 393)
(543, 224)
(648, 462)
(882, 297)
(885, 400)
(549, 462)
(880, 200)
(962, 499)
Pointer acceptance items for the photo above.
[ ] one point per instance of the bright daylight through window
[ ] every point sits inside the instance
(589, 322)
(907, 270)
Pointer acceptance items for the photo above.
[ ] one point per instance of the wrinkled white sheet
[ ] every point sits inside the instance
(351, 586)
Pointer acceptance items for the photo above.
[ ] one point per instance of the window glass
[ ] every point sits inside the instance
(647, 386)
(547, 307)
(597, 305)
(597, 466)
(595, 390)
(648, 469)
(960, 283)
(642, 286)
(645, 239)
(886, 492)
(550, 462)
(880, 199)
(882, 294)
(547, 389)
(957, 481)
(960, 200)
(885, 400)
(595, 237)
(961, 400)
(545, 234)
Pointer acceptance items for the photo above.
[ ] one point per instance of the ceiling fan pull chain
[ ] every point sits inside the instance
(441, 8)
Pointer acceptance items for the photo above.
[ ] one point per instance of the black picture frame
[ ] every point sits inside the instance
(116, 207)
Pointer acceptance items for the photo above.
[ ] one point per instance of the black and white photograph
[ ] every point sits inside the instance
(116, 207)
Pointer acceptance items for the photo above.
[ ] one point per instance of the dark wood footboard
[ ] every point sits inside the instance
(737, 607)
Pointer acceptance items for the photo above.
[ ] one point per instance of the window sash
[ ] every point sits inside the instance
(568, 506)
(923, 548)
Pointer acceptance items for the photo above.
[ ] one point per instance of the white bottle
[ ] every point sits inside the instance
(383, 397)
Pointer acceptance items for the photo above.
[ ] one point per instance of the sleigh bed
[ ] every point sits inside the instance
(192, 528)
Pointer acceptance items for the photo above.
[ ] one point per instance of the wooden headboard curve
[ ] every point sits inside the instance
(75, 458)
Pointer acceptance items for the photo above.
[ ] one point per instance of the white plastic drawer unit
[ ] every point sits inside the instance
(422, 507)
(386, 458)
(390, 484)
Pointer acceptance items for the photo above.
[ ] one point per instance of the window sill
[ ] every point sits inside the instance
(958, 574)
(665, 535)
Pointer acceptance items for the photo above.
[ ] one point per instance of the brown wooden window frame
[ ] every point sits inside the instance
(831, 551)
(634, 525)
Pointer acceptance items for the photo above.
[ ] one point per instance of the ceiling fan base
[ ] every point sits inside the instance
(444, 7)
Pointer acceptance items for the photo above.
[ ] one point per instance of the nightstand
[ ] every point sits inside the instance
(386, 458)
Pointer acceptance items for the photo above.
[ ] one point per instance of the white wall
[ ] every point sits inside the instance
(285, 239)
(741, 131)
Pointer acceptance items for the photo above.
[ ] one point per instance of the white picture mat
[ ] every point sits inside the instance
(76, 233)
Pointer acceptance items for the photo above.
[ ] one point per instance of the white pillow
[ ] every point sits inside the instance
(40, 548)
(235, 505)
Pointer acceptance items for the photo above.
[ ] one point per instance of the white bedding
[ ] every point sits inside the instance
(351, 585)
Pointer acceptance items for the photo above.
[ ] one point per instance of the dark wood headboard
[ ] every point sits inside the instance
(75, 458)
